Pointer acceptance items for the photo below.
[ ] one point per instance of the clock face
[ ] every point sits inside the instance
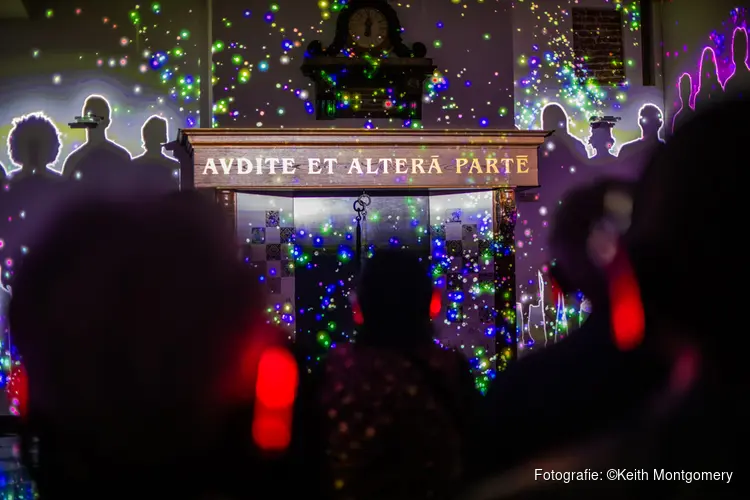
(368, 28)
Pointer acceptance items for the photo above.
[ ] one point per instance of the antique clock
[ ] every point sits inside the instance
(367, 71)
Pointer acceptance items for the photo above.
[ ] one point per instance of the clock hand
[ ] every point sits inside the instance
(368, 27)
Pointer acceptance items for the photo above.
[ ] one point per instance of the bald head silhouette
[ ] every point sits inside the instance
(154, 134)
(650, 120)
(555, 118)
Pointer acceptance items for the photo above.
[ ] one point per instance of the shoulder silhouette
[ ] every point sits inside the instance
(709, 87)
(100, 162)
(685, 95)
(32, 190)
(154, 169)
(555, 119)
(738, 82)
(633, 155)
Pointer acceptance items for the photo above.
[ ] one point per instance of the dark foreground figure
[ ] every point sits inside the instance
(142, 337)
(671, 252)
(395, 405)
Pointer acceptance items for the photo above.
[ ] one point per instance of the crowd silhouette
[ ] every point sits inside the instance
(33, 191)
(565, 162)
(391, 415)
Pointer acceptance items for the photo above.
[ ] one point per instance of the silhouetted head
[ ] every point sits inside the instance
(98, 106)
(601, 138)
(555, 118)
(739, 48)
(394, 293)
(126, 351)
(689, 197)
(154, 134)
(708, 69)
(582, 212)
(685, 89)
(650, 120)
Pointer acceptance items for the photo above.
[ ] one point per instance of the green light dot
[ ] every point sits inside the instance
(437, 44)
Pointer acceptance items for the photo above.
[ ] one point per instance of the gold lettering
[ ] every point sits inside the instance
(272, 164)
(435, 165)
(522, 164)
(417, 164)
(244, 166)
(313, 166)
(507, 163)
(475, 167)
(492, 166)
(386, 163)
(329, 163)
(355, 164)
(287, 166)
(226, 167)
(210, 165)
(460, 163)
(401, 166)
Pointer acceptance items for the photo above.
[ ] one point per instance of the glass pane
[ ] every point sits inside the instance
(324, 253)
(326, 250)
(461, 234)
(265, 228)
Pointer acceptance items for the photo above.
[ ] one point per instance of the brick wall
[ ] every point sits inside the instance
(598, 45)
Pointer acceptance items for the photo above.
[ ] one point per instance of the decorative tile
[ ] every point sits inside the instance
(438, 231)
(454, 247)
(453, 214)
(257, 253)
(258, 235)
(286, 235)
(486, 314)
(272, 218)
(273, 269)
(287, 268)
(273, 252)
(274, 285)
(468, 232)
(453, 231)
(273, 235)
(259, 267)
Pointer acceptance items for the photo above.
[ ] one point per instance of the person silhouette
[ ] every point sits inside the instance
(637, 152)
(100, 162)
(685, 95)
(32, 189)
(405, 401)
(709, 87)
(602, 140)
(739, 81)
(562, 159)
(153, 169)
(554, 118)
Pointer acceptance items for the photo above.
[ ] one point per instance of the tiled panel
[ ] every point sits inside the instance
(265, 228)
(461, 234)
